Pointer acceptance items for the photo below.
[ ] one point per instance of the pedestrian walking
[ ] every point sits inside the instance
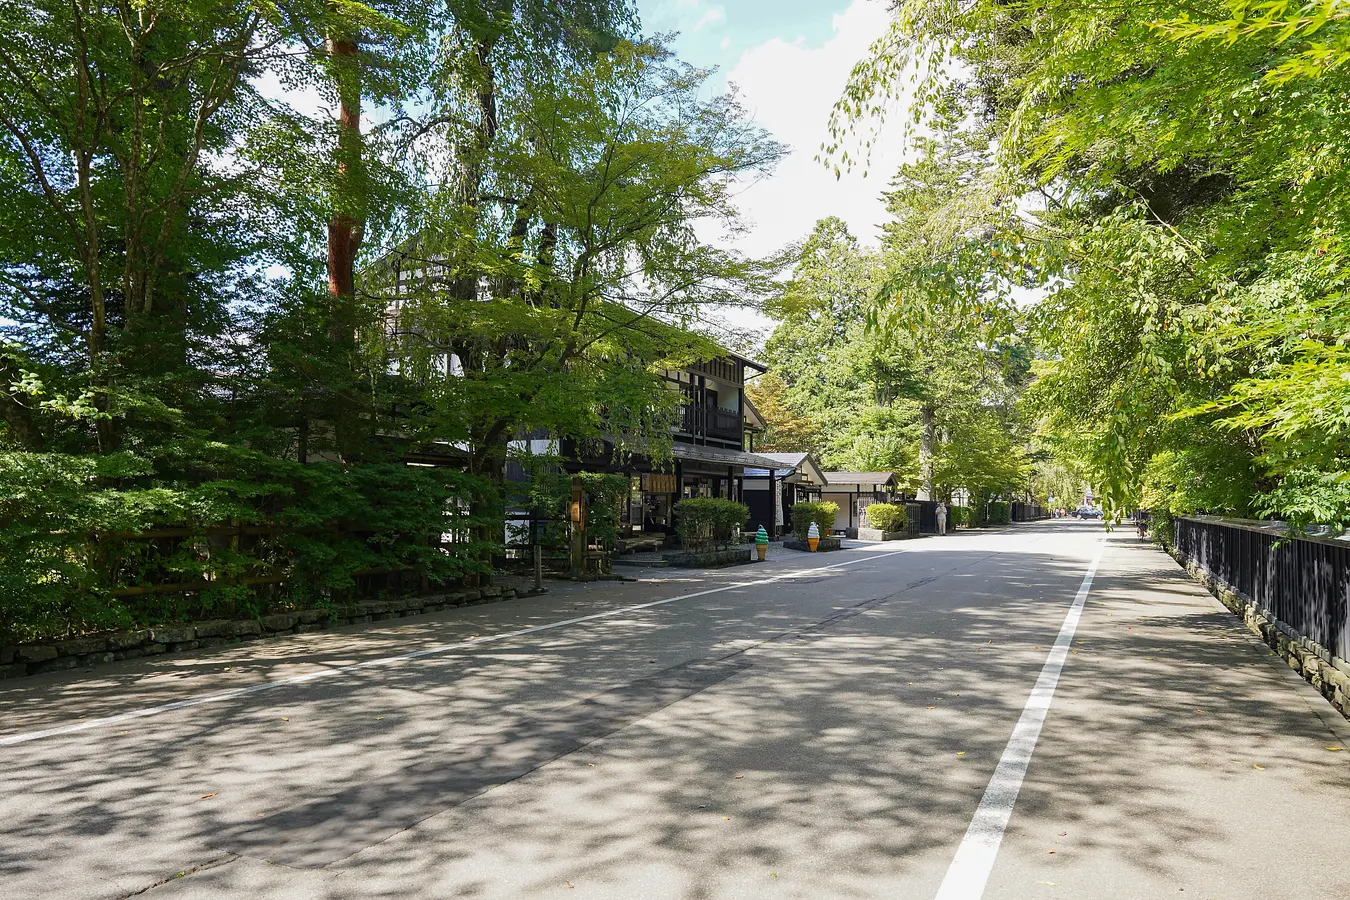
(942, 517)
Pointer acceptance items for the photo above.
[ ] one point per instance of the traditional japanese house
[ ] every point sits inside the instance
(854, 492)
(772, 492)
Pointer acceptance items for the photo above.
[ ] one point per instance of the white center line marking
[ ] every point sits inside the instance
(974, 860)
(144, 712)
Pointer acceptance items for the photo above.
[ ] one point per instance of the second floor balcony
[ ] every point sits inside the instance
(723, 425)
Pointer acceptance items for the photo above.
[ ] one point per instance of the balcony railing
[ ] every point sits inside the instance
(724, 424)
(702, 421)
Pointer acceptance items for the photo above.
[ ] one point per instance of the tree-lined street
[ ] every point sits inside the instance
(818, 726)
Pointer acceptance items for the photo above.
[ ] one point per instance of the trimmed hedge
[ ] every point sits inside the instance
(707, 523)
(1000, 513)
(823, 514)
(886, 517)
(959, 515)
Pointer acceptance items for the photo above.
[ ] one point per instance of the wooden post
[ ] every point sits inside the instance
(578, 519)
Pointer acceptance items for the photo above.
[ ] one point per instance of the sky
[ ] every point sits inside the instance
(789, 61)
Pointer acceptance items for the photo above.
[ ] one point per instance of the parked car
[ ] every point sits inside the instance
(1087, 512)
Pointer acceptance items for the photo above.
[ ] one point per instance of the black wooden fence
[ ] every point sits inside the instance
(1303, 582)
(1026, 512)
(927, 514)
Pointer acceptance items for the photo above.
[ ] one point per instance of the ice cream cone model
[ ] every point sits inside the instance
(761, 543)
(813, 537)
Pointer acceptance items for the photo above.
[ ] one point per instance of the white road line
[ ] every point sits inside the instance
(11, 740)
(974, 860)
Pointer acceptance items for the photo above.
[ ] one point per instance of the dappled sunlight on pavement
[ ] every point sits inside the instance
(826, 734)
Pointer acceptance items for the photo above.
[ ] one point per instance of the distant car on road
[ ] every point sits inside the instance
(1087, 512)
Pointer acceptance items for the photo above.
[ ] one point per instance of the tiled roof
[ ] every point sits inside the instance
(859, 477)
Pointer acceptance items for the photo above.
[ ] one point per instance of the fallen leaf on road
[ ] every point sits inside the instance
(726, 818)
(932, 707)
(207, 796)
(739, 777)
(379, 718)
(1335, 749)
(1063, 834)
(1050, 883)
(1051, 852)
(568, 884)
(960, 753)
(285, 718)
(1258, 766)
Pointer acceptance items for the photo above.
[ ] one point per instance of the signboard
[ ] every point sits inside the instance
(578, 503)
(659, 483)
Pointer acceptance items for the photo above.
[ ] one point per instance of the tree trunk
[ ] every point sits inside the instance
(927, 442)
(346, 224)
(345, 230)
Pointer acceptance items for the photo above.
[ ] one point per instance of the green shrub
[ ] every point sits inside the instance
(1000, 512)
(708, 523)
(551, 497)
(803, 514)
(886, 517)
(92, 542)
(959, 515)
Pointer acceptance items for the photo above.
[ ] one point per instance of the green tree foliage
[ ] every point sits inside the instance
(190, 345)
(553, 264)
(832, 382)
(1176, 198)
(911, 390)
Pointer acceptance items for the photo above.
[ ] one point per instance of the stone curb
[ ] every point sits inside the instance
(55, 656)
(1329, 675)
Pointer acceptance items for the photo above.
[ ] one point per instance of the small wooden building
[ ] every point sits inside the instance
(854, 492)
(772, 492)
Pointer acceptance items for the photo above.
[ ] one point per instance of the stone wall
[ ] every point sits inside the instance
(33, 659)
(825, 544)
(712, 559)
(1329, 674)
(876, 534)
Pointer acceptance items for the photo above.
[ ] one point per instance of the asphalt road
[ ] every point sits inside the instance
(819, 727)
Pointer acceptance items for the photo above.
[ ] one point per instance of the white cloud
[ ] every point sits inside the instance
(712, 16)
(790, 89)
(726, 42)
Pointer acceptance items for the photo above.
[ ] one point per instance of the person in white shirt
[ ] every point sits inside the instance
(942, 517)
